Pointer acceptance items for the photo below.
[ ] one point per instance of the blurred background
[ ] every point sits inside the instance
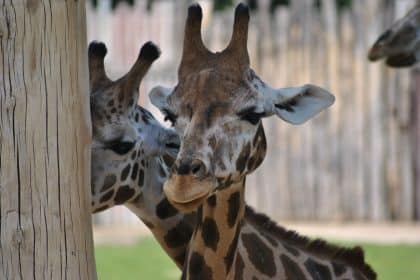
(352, 174)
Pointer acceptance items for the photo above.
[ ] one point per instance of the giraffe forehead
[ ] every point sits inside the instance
(209, 86)
(107, 110)
(213, 104)
(107, 96)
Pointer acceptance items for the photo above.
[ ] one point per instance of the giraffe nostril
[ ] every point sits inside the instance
(195, 169)
(182, 169)
(198, 169)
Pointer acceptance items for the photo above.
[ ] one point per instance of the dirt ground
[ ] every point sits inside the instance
(389, 233)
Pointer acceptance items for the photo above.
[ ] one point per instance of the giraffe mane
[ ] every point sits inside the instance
(317, 247)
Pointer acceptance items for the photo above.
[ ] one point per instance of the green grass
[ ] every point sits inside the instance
(394, 261)
(146, 260)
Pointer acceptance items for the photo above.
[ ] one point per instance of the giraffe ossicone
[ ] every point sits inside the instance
(400, 44)
(216, 108)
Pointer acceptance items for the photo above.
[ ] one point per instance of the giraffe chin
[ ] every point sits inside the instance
(188, 207)
(186, 193)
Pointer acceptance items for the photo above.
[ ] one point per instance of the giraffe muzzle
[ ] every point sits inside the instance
(374, 54)
(186, 192)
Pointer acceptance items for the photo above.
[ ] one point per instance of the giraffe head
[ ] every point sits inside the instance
(124, 134)
(400, 44)
(217, 108)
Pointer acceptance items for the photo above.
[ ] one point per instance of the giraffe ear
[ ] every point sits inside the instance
(296, 105)
(159, 96)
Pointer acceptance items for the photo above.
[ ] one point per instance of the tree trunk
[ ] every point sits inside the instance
(45, 222)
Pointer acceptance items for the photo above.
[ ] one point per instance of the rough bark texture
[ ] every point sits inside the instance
(45, 224)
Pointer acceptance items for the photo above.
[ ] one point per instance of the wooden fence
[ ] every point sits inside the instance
(360, 159)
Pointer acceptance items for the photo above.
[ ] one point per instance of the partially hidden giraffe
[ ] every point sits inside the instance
(129, 149)
(216, 108)
(400, 44)
(128, 168)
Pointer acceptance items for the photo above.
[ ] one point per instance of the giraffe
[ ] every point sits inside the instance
(131, 152)
(143, 141)
(400, 44)
(216, 108)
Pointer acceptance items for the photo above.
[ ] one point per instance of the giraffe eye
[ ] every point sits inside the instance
(120, 147)
(251, 116)
(169, 116)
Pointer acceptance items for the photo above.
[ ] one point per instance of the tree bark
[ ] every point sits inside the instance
(45, 222)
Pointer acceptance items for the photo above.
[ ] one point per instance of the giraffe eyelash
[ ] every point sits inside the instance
(250, 115)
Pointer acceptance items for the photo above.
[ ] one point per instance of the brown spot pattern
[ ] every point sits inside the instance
(165, 210)
(230, 255)
(260, 254)
(180, 259)
(141, 178)
(210, 233)
(317, 271)
(107, 196)
(179, 235)
(198, 269)
(233, 211)
(338, 268)
(291, 250)
(239, 268)
(109, 181)
(212, 201)
(102, 208)
(291, 268)
(135, 171)
(125, 172)
(124, 194)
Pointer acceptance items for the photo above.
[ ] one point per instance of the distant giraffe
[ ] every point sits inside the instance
(400, 44)
(217, 108)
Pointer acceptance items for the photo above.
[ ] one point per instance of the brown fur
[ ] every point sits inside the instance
(197, 57)
(353, 257)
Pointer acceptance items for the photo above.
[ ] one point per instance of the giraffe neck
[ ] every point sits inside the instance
(147, 201)
(231, 241)
(269, 250)
(213, 246)
(170, 228)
